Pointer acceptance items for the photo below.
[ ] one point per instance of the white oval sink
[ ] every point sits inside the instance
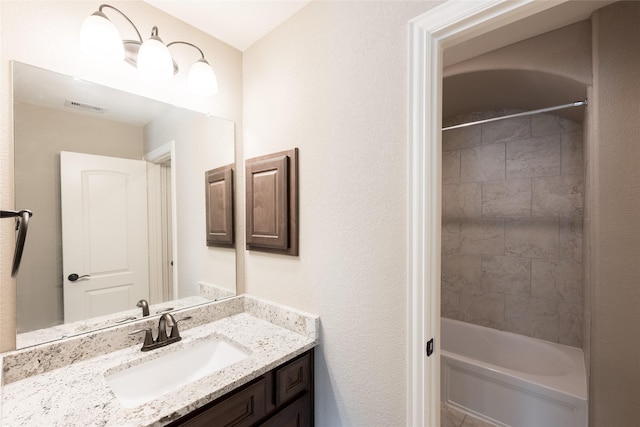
(149, 380)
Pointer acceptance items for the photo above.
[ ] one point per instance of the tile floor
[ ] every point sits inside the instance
(450, 417)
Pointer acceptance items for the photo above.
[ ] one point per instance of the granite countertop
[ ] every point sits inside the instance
(66, 330)
(39, 392)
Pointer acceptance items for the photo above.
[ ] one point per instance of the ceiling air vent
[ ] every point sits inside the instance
(84, 107)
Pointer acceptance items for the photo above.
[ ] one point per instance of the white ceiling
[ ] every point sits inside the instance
(239, 23)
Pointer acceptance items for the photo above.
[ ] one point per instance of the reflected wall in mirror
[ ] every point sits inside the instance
(150, 245)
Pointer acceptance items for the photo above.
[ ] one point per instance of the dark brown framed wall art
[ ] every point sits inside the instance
(272, 203)
(219, 202)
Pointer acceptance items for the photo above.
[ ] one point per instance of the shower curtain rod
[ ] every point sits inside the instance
(524, 113)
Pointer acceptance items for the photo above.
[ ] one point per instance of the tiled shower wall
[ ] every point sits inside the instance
(512, 207)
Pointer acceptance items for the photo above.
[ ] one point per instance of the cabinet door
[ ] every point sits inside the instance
(219, 206)
(241, 409)
(292, 379)
(297, 414)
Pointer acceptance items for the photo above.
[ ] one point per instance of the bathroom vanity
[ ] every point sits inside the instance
(261, 372)
(281, 397)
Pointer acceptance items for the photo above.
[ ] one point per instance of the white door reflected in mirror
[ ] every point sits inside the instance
(104, 234)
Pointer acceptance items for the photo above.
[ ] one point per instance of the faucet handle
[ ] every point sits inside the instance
(148, 337)
(175, 333)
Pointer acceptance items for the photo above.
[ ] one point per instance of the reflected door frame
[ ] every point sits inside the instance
(159, 265)
(429, 34)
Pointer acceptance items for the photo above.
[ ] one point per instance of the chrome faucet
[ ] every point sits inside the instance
(145, 307)
(166, 320)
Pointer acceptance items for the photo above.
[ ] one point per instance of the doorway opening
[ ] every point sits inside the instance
(464, 32)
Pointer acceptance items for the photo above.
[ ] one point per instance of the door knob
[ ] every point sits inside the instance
(73, 277)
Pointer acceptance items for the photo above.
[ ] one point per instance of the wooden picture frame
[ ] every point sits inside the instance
(219, 206)
(272, 203)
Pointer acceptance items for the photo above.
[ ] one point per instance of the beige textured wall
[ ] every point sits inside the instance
(7, 233)
(40, 134)
(512, 203)
(201, 143)
(332, 81)
(45, 34)
(615, 218)
(565, 52)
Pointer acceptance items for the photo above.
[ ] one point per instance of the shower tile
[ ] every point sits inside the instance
(533, 157)
(451, 167)
(532, 237)
(485, 309)
(545, 124)
(462, 200)
(533, 317)
(462, 270)
(450, 236)
(571, 324)
(506, 130)
(571, 239)
(465, 137)
(556, 280)
(506, 198)
(572, 153)
(450, 302)
(482, 236)
(484, 163)
(506, 275)
(561, 196)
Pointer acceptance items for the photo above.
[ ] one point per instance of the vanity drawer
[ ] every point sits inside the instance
(296, 414)
(282, 397)
(243, 408)
(293, 379)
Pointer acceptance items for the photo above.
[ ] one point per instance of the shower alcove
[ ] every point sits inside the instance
(513, 198)
(591, 305)
(513, 204)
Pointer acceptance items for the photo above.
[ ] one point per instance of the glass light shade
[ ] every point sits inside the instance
(202, 79)
(154, 60)
(100, 39)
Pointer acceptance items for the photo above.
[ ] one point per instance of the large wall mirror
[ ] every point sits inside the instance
(116, 184)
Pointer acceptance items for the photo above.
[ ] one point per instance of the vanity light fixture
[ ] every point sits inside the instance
(99, 38)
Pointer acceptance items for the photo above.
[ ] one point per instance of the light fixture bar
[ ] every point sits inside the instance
(101, 39)
(102, 6)
(188, 44)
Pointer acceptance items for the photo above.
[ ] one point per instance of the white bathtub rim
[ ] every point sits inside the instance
(573, 381)
(574, 353)
(569, 385)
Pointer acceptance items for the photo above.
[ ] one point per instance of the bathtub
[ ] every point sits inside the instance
(512, 380)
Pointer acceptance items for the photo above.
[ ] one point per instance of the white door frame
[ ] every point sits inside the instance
(429, 34)
(160, 155)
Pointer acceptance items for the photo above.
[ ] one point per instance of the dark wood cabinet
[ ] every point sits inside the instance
(219, 206)
(271, 192)
(296, 414)
(283, 397)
